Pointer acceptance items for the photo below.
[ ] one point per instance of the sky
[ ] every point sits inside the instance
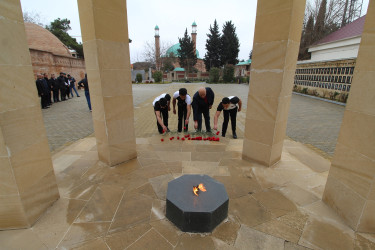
(172, 17)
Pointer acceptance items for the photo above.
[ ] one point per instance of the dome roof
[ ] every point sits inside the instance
(173, 49)
(156, 27)
(41, 39)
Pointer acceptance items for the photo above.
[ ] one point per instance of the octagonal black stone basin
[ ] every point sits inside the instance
(191, 213)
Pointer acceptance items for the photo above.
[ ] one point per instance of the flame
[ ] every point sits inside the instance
(195, 190)
(198, 188)
(202, 187)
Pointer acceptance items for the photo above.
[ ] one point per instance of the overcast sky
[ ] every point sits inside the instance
(172, 17)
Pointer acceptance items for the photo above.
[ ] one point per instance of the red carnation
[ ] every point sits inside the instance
(185, 128)
(162, 139)
(218, 132)
(183, 139)
(178, 138)
(189, 139)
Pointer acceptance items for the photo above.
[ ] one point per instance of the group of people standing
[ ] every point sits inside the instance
(54, 89)
(59, 89)
(201, 103)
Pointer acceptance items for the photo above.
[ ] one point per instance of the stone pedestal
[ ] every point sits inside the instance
(106, 47)
(350, 188)
(27, 180)
(276, 42)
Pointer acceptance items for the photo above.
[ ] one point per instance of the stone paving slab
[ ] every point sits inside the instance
(310, 121)
(123, 207)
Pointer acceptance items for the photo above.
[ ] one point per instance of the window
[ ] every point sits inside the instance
(348, 88)
(344, 87)
(339, 79)
(351, 71)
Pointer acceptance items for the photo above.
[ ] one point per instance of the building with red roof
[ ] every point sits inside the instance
(329, 72)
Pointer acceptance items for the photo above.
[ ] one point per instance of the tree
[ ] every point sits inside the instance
(59, 27)
(187, 57)
(157, 76)
(230, 45)
(32, 17)
(319, 28)
(149, 53)
(212, 56)
(251, 54)
(214, 75)
(306, 40)
(228, 74)
(323, 17)
(138, 77)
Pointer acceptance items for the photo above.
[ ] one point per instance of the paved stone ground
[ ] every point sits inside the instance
(311, 122)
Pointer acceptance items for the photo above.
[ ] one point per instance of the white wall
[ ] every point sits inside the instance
(343, 49)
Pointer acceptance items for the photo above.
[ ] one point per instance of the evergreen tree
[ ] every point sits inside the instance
(306, 39)
(251, 54)
(187, 57)
(319, 29)
(212, 57)
(230, 45)
(59, 27)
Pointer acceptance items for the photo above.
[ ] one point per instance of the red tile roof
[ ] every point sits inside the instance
(352, 29)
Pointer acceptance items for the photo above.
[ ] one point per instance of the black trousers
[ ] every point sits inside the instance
(206, 114)
(44, 100)
(164, 116)
(55, 95)
(63, 94)
(232, 113)
(182, 113)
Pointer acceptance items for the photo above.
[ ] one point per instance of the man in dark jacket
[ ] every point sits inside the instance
(61, 81)
(230, 108)
(45, 76)
(85, 84)
(55, 87)
(72, 85)
(42, 88)
(202, 103)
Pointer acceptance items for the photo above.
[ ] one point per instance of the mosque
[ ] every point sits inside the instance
(173, 50)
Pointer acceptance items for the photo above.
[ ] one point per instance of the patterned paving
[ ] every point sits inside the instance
(123, 207)
(311, 122)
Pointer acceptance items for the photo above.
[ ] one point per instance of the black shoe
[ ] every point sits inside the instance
(222, 135)
(234, 135)
(78, 96)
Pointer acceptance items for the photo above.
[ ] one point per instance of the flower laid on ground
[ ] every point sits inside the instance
(218, 132)
(162, 139)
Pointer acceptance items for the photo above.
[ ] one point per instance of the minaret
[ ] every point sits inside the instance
(157, 48)
(194, 36)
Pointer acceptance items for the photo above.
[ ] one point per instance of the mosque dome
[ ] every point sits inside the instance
(173, 49)
(39, 38)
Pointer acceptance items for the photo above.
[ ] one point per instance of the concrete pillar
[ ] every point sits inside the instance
(350, 188)
(276, 42)
(27, 180)
(104, 29)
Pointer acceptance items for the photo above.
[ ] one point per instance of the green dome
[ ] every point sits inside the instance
(194, 24)
(173, 49)
(156, 27)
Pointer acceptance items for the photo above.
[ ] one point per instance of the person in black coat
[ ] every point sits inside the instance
(202, 103)
(45, 76)
(61, 82)
(84, 83)
(42, 88)
(55, 87)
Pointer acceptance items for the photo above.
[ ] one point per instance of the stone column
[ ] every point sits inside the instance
(106, 46)
(27, 180)
(350, 188)
(276, 42)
